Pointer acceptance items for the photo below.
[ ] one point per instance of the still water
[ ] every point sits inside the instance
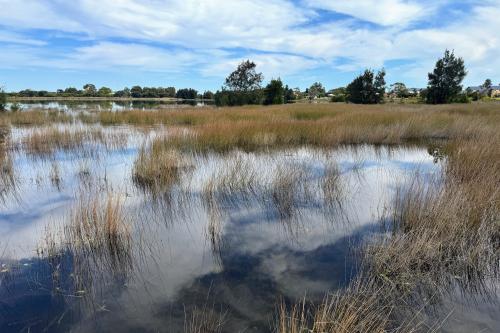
(109, 105)
(234, 235)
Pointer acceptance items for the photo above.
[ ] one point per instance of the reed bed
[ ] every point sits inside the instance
(36, 117)
(252, 128)
(82, 141)
(7, 173)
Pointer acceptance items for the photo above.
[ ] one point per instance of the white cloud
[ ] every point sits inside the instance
(383, 12)
(211, 36)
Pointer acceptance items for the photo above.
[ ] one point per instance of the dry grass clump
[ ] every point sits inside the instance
(97, 242)
(7, 174)
(236, 180)
(157, 168)
(361, 307)
(99, 227)
(204, 319)
(288, 185)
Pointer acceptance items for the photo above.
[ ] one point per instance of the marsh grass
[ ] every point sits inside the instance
(8, 179)
(36, 117)
(324, 125)
(204, 319)
(45, 142)
(95, 245)
(448, 230)
(286, 190)
(361, 307)
(444, 234)
(157, 168)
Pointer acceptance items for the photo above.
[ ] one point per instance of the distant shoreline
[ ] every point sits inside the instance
(102, 99)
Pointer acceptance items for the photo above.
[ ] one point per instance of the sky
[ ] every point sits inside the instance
(52, 44)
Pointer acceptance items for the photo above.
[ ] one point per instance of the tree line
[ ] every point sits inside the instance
(243, 86)
(90, 90)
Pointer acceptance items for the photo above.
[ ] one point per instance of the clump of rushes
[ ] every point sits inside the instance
(99, 229)
(361, 307)
(95, 245)
(204, 319)
(158, 168)
(7, 173)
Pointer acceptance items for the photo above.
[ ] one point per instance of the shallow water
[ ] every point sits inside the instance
(233, 236)
(108, 105)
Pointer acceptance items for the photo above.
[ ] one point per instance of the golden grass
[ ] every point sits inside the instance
(7, 174)
(96, 239)
(204, 319)
(46, 141)
(447, 233)
(251, 128)
(361, 307)
(157, 169)
(36, 117)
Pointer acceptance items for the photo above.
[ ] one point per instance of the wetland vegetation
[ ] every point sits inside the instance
(286, 218)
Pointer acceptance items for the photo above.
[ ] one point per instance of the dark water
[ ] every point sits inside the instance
(232, 237)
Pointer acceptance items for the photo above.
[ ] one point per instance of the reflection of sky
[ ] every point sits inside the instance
(260, 255)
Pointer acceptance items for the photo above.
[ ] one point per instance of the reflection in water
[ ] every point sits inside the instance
(76, 105)
(222, 243)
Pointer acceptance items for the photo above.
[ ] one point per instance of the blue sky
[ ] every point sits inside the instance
(51, 44)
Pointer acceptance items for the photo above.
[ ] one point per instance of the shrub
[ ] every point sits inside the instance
(237, 98)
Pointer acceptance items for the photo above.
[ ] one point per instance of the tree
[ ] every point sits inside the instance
(89, 89)
(445, 81)
(399, 89)
(187, 93)
(3, 99)
(105, 92)
(122, 93)
(208, 95)
(367, 88)
(338, 94)
(316, 90)
(487, 87)
(244, 78)
(289, 95)
(71, 91)
(274, 93)
(136, 92)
